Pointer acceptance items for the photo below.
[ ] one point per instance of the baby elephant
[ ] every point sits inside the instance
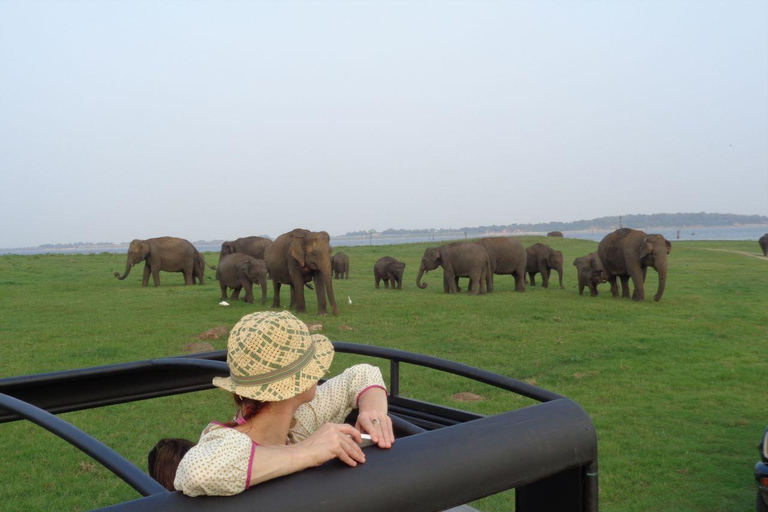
(340, 265)
(389, 269)
(591, 273)
(239, 271)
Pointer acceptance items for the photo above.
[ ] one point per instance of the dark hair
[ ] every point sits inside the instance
(249, 406)
(164, 458)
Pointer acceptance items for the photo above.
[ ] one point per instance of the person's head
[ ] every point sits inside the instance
(272, 357)
(164, 458)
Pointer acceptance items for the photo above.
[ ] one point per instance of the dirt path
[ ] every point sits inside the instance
(743, 253)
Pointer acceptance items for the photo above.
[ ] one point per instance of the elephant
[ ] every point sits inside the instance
(199, 272)
(239, 271)
(543, 259)
(507, 256)
(340, 265)
(764, 244)
(297, 257)
(555, 233)
(389, 269)
(253, 246)
(458, 259)
(627, 253)
(590, 272)
(165, 253)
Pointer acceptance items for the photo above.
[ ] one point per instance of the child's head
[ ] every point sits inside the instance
(164, 459)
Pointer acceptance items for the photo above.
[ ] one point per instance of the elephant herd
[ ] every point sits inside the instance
(302, 258)
(622, 255)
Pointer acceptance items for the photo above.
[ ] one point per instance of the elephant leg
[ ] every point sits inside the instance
(156, 276)
(544, 277)
(223, 291)
(263, 285)
(614, 287)
(519, 281)
(248, 285)
(276, 298)
(593, 289)
(532, 278)
(581, 287)
(378, 280)
(561, 280)
(624, 286)
(145, 276)
(236, 293)
(458, 288)
(638, 280)
(399, 283)
(645, 271)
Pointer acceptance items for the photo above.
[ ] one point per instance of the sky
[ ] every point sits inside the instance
(212, 120)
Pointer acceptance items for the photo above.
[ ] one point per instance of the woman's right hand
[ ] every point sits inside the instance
(332, 441)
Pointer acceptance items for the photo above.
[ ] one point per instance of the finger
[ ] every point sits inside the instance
(367, 424)
(352, 450)
(350, 431)
(386, 433)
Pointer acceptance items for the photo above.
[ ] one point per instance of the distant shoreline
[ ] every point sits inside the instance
(733, 232)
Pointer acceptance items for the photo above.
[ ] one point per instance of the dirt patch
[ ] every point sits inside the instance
(213, 334)
(314, 327)
(743, 253)
(466, 396)
(194, 348)
(345, 328)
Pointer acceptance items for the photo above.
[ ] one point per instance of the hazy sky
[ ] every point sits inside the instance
(221, 119)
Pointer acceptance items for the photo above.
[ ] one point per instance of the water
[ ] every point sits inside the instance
(709, 233)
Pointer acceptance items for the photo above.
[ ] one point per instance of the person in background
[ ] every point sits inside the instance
(285, 422)
(164, 458)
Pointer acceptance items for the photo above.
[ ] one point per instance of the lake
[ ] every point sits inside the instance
(671, 234)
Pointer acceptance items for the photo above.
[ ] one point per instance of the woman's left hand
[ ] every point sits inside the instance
(373, 419)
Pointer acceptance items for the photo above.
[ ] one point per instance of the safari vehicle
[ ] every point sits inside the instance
(444, 457)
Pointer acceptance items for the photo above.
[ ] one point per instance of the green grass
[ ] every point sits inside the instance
(676, 389)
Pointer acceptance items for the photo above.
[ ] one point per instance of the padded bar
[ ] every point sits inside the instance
(432, 471)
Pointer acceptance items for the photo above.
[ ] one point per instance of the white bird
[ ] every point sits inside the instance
(349, 299)
(223, 303)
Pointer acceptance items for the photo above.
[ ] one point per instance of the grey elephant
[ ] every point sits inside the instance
(590, 273)
(627, 253)
(555, 233)
(253, 246)
(296, 258)
(198, 274)
(507, 257)
(340, 265)
(238, 271)
(389, 269)
(458, 259)
(764, 244)
(166, 253)
(542, 259)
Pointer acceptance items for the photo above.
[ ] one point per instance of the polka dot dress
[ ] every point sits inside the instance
(220, 464)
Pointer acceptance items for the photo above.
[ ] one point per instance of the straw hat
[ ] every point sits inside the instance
(272, 357)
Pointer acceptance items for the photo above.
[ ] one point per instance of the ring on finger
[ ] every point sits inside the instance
(376, 422)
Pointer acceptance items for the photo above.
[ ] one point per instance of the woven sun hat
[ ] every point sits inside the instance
(272, 357)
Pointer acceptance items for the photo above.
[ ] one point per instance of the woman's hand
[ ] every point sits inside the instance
(332, 441)
(373, 419)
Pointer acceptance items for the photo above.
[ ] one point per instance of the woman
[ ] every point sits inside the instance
(285, 422)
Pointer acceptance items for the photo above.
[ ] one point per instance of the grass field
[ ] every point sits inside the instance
(676, 389)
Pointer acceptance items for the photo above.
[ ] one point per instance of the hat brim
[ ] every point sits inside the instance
(291, 386)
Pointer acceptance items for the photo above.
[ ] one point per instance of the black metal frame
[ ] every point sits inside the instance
(568, 482)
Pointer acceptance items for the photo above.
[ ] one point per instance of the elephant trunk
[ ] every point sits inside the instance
(329, 291)
(560, 273)
(661, 268)
(422, 269)
(128, 266)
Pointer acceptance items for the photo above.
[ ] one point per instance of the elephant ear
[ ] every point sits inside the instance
(227, 248)
(669, 245)
(297, 250)
(646, 248)
(143, 249)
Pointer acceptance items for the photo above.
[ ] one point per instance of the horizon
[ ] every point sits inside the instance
(212, 120)
(445, 230)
